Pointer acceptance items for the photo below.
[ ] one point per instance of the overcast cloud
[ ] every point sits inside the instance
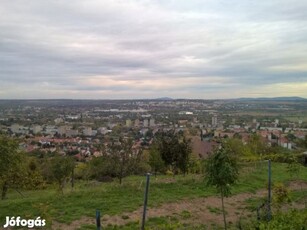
(127, 49)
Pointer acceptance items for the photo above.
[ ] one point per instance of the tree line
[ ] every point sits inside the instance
(170, 152)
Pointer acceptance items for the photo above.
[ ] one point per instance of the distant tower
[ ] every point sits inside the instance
(152, 122)
(276, 123)
(214, 121)
(87, 131)
(128, 123)
(146, 123)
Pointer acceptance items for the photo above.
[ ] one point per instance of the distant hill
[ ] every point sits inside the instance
(164, 99)
(273, 99)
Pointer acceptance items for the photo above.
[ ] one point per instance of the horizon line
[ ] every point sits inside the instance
(160, 98)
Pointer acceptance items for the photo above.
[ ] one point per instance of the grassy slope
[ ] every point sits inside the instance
(113, 199)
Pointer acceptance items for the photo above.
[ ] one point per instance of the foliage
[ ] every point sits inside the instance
(303, 142)
(155, 160)
(123, 158)
(168, 147)
(184, 155)
(221, 171)
(295, 219)
(61, 169)
(114, 199)
(12, 165)
(280, 194)
(100, 167)
(33, 175)
(175, 151)
(293, 166)
(120, 160)
(257, 146)
(196, 165)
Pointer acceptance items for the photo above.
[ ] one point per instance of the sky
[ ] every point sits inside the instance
(133, 49)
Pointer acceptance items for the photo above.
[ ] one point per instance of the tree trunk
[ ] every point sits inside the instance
(4, 190)
(224, 215)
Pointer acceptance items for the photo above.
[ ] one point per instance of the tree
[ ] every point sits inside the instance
(11, 165)
(61, 168)
(122, 158)
(221, 171)
(304, 142)
(291, 137)
(236, 147)
(280, 195)
(185, 151)
(257, 146)
(33, 176)
(155, 160)
(119, 160)
(101, 168)
(175, 150)
(168, 148)
(293, 167)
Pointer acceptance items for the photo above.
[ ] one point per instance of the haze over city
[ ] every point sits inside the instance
(148, 49)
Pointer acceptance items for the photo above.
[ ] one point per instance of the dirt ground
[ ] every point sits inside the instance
(201, 210)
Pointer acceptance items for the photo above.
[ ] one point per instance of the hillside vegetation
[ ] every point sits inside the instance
(114, 199)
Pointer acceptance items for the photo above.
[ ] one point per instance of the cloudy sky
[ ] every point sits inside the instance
(99, 49)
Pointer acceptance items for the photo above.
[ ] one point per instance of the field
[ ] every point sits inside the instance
(294, 118)
(182, 202)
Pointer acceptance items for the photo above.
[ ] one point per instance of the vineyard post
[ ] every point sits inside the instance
(98, 224)
(269, 190)
(145, 201)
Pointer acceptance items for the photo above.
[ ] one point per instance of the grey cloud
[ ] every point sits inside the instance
(63, 43)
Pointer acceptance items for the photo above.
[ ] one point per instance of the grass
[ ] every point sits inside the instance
(156, 223)
(295, 118)
(215, 210)
(112, 198)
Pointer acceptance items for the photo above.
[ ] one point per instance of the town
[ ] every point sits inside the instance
(79, 127)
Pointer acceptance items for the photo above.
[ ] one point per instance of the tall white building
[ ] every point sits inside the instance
(152, 122)
(15, 128)
(37, 129)
(214, 121)
(145, 123)
(87, 131)
(128, 123)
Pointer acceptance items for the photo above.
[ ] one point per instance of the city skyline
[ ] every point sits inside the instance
(145, 49)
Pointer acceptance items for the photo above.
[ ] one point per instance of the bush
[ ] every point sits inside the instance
(295, 219)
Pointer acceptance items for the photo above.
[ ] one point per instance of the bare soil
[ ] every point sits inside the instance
(201, 210)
